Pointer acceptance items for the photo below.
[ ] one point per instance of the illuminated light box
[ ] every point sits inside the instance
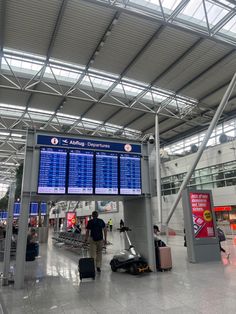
(222, 208)
(80, 172)
(203, 223)
(3, 215)
(34, 209)
(43, 209)
(70, 220)
(52, 171)
(130, 174)
(16, 210)
(106, 177)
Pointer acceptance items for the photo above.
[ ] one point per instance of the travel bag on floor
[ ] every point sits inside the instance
(86, 268)
(164, 260)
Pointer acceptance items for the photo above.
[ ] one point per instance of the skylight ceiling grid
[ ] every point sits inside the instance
(188, 14)
(230, 28)
(89, 88)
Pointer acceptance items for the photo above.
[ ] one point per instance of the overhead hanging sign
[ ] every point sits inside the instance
(56, 141)
(202, 215)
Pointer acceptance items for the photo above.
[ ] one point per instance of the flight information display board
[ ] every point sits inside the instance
(106, 178)
(80, 172)
(43, 208)
(3, 215)
(52, 171)
(130, 174)
(16, 210)
(34, 209)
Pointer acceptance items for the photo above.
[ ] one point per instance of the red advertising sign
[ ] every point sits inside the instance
(202, 215)
(222, 208)
(70, 220)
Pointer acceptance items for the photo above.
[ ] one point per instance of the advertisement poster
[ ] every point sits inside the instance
(202, 215)
(107, 207)
(70, 220)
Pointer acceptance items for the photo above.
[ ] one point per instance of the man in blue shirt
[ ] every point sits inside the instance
(96, 228)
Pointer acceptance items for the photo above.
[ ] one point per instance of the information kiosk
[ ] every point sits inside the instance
(59, 167)
(200, 226)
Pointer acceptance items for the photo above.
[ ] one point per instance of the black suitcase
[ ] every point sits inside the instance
(86, 268)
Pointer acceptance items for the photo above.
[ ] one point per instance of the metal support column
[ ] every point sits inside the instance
(7, 249)
(212, 125)
(158, 170)
(24, 214)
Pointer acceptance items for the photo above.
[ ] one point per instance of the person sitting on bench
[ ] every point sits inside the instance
(156, 233)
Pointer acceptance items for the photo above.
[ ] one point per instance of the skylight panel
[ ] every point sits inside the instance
(67, 116)
(109, 129)
(91, 120)
(39, 117)
(113, 125)
(23, 53)
(22, 65)
(169, 4)
(215, 13)
(12, 106)
(105, 74)
(67, 64)
(88, 125)
(40, 111)
(230, 27)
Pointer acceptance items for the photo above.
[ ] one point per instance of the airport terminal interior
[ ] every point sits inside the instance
(125, 109)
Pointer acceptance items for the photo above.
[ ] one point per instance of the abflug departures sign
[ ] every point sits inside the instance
(108, 168)
(88, 144)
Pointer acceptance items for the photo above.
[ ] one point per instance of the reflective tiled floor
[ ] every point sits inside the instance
(53, 286)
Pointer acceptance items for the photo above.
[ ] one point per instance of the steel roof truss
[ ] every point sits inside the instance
(206, 17)
(60, 88)
(38, 74)
(177, 10)
(216, 28)
(12, 72)
(173, 20)
(150, 110)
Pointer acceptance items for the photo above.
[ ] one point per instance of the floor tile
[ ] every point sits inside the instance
(53, 286)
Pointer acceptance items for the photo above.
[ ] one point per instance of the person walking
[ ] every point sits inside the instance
(222, 238)
(121, 223)
(96, 232)
(110, 223)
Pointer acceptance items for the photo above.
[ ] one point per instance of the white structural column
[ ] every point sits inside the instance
(7, 248)
(212, 125)
(158, 170)
(24, 214)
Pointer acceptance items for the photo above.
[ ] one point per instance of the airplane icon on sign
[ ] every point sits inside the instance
(65, 141)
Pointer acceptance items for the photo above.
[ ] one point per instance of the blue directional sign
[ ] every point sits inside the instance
(88, 144)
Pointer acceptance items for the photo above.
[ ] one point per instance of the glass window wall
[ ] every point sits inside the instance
(206, 178)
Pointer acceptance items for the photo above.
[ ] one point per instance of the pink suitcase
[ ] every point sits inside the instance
(164, 258)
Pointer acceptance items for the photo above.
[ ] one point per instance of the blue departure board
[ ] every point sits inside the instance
(3, 215)
(106, 181)
(43, 208)
(130, 174)
(80, 172)
(16, 210)
(52, 171)
(34, 209)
